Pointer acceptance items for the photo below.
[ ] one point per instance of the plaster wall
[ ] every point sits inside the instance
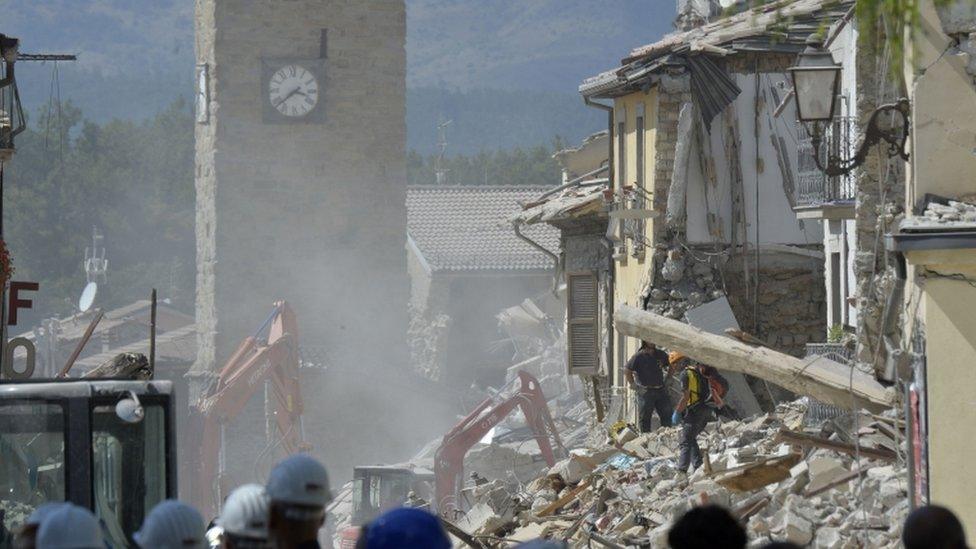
(631, 273)
(951, 365)
(776, 221)
(943, 136)
(943, 142)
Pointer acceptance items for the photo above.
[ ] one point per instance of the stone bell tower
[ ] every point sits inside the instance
(300, 180)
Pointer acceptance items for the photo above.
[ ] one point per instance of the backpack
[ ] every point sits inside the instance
(709, 387)
(718, 387)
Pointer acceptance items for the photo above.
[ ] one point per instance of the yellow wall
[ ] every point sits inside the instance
(631, 274)
(942, 162)
(950, 328)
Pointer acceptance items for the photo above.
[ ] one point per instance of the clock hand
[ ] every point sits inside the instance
(287, 97)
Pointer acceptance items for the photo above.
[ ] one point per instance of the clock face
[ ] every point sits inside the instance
(293, 90)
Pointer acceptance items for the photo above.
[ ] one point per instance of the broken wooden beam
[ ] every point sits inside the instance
(564, 500)
(756, 475)
(123, 366)
(460, 534)
(835, 483)
(817, 377)
(797, 438)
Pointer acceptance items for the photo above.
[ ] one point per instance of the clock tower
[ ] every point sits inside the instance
(300, 182)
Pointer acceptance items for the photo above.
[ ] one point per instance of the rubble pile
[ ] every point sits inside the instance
(953, 211)
(785, 477)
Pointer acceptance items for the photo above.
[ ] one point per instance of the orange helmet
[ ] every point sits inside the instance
(674, 357)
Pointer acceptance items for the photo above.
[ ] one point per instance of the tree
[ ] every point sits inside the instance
(134, 181)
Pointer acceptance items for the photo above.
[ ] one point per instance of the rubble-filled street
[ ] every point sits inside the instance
(537, 274)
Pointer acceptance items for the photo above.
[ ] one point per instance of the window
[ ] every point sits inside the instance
(836, 294)
(637, 225)
(621, 118)
(203, 93)
(128, 469)
(583, 330)
(32, 467)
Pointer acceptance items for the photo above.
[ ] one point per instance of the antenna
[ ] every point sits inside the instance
(439, 171)
(96, 266)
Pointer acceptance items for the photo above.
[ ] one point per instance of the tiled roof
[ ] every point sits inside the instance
(782, 26)
(570, 203)
(467, 228)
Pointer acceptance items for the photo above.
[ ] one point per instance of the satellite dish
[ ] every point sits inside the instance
(87, 296)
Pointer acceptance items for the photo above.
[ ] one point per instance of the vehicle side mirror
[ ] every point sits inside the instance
(129, 409)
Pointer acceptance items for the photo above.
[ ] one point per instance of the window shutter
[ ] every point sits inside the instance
(583, 330)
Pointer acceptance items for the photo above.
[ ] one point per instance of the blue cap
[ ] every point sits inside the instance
(406, 528)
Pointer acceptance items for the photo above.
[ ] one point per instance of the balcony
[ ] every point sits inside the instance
(819, 196)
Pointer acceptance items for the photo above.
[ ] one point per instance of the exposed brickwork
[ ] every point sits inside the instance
(668, 107)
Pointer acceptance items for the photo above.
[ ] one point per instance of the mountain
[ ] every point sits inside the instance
(506, 71)
(525, 44)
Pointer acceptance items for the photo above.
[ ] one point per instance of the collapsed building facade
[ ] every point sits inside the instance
(465, 266)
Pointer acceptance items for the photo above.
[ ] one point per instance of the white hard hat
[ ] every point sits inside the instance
(172, 525)
(214, 537)
(43, 511)
(245, 512)
(70, 526)
(299, 479)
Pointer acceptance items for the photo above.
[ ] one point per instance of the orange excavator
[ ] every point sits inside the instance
(449, 458)
(271, 355)
(376, 489)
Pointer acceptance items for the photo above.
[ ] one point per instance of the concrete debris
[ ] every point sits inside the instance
(610, 495)
(954, 211)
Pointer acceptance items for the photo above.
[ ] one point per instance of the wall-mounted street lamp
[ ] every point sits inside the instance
(816, 85)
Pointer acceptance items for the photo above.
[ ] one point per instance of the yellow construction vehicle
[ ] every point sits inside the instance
(108, 445)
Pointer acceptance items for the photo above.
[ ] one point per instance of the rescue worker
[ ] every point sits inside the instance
(244, 519)
(172, 525)
(645, 372)
(70, 526)
(692, 411)
(404, 528)
(298, 490)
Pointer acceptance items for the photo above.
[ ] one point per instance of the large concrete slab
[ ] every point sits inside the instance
(714, 317)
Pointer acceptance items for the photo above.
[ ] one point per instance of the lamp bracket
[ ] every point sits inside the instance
(896, 137)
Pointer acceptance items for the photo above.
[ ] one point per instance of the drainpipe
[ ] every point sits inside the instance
(517, 227)
(611, 336)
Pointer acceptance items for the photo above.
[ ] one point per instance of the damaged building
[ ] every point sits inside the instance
(466, 264)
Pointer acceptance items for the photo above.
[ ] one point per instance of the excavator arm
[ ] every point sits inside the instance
(449, 458)
(273, 359)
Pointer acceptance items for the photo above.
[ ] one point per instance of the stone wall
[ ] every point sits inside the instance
(312, 212)
(879, 205)
(792, 300)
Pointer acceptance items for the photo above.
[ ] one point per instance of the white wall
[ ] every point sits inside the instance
(777, 223)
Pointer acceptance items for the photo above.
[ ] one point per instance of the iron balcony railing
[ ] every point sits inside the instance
(818, 412)
(814, 188)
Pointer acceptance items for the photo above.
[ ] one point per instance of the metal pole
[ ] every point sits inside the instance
(6, 283)
(81, 344)
(152, 335)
